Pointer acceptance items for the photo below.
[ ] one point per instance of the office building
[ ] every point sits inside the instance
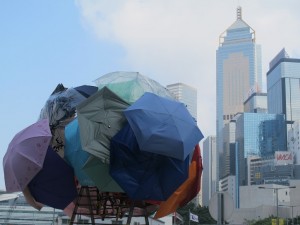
(283, 80)
(293, 141)
(209, 174)
(258, 134)
(185, 94)
(239, 72)
(256, 103)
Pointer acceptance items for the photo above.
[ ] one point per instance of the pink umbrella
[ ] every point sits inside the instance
(25, 155)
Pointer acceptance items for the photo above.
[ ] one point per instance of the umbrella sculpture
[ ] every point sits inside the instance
(54, 185)
(144, 175)
(187, 191)
(25, 155)
(99, 173)
(131, 85)
(100, 117)
(75, 155)
(163, 126)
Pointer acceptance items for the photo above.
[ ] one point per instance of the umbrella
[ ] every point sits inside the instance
(61, 105)
(25, 155)
(30, 200)
(100, 117)
(163, 126)
(86, 90)
(74, 154)
(131, 85)
(187, 191)
(99, 173)
(144, 175)
(54, 185)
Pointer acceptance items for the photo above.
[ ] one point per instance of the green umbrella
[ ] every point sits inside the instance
(100, 117)
(99, 174)
(130, 86)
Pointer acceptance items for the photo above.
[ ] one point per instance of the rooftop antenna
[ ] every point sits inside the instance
(239, 13)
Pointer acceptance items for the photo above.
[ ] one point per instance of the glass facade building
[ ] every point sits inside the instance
(283, 86)
(258, 134)
(209, 179)
(239, 72)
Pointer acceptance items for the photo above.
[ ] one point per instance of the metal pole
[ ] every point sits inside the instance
(277, 219)
(292, 216)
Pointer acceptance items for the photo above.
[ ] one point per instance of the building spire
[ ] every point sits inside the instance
(239, 13)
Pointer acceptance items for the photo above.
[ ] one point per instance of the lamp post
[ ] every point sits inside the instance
(276, 191)
(291, 206)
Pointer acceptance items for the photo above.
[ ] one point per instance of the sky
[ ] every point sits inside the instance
(44, 43)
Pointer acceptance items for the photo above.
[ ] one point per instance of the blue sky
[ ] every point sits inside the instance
(47, 42)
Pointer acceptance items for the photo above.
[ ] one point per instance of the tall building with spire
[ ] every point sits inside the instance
(238, 75)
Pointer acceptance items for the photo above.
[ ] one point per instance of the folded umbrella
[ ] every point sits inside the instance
(54, 185)
(100, 117)
(143, 175)
(25, 155)
(130, 86)
(163, 126)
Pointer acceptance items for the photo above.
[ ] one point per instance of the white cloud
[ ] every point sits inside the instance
(175, 41)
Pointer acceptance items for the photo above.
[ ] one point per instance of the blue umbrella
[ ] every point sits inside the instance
(144, 175)
(74, 154)
(86, 90)
(163, 126)
(54, 185)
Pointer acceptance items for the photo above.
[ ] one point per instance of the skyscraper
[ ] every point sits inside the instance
(283, 87)
(238, 64)
(209, 179)
(185, 94)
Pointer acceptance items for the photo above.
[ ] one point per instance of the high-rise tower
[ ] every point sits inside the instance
(239, 72)
(283, 79)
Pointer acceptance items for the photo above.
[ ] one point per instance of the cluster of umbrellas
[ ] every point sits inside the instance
(126, 136)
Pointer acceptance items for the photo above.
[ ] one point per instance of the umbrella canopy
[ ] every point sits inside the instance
(61, 105)
(144, 175)
(99, 173)
(25, 155)
(187, 191)
(163, 126)
(86, 90)
(54, 185)
(100, 117)
(74, 154)
(131, 85)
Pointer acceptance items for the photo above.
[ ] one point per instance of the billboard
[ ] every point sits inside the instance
(284, 158)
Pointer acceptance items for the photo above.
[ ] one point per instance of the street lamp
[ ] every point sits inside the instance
(276, 191)
(291, 206)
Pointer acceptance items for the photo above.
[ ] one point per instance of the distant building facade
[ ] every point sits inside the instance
(283, 80)
(256, 103)
(258, 134)
(209, 173)
(185, 94)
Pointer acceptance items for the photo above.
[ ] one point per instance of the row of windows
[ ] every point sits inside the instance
(228, 117)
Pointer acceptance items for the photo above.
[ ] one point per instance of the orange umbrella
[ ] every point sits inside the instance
(187, 191)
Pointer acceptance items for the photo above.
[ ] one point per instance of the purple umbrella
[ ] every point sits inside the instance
(25, 155)
(54, 185)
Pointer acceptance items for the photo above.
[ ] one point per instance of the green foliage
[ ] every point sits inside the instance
(202, 213)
